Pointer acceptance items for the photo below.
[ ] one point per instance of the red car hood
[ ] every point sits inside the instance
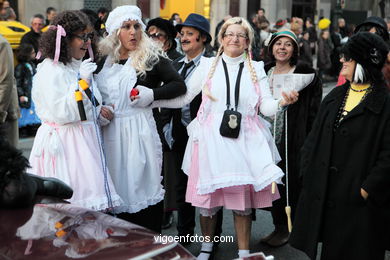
(63, 231)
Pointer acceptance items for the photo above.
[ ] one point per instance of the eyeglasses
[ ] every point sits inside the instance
(231, 35)
(156, 35)
(85, 37)
(345, 57)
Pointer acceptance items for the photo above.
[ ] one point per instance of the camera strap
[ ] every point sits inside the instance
(237, 88)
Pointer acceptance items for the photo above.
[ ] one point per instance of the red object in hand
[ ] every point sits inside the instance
(134, 92)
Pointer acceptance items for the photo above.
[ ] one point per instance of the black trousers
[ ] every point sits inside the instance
(185, 211)
(278, 211)
(150, 218)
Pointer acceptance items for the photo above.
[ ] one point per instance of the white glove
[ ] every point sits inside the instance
(87, 67)
(145, 97)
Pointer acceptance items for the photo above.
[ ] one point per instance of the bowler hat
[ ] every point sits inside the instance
(164, 25)
(198, 22)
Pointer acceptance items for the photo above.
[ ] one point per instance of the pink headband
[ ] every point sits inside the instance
(60, 33)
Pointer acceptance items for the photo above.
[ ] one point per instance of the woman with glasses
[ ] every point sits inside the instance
(133, 146)
(345, 162)
(66, 145)
(230, 157)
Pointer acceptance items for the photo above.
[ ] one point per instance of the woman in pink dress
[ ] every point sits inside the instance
(66, 146)
(235, 172)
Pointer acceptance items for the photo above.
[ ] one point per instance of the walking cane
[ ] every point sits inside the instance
(288, 208)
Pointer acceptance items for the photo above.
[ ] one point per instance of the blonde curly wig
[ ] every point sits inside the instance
(143, 58)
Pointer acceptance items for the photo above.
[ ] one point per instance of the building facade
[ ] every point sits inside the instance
(354, 11)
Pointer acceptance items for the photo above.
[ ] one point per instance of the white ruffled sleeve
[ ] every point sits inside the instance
(53, 93)
(268, 105)
(194, 87)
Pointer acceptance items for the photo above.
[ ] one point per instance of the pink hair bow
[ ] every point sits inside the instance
(90, 51)
(60, 33)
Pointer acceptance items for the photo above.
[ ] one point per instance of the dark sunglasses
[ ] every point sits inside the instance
(85, 37)
(156, 35)
(345, 57)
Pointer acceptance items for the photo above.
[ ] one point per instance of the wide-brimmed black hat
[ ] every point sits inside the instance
(375, 21)
(198, 22)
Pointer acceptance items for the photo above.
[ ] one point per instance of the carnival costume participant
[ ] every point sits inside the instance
(134, 151)
(291, 126)
(194, 38)
(67, 143)
(345, 198)
(230, 163)
(163, 31)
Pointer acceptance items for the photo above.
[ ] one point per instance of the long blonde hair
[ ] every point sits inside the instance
(249, 32)
(143, 58)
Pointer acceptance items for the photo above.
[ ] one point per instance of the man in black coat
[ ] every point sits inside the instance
(195, 41)
(33, 36)
(345, 198)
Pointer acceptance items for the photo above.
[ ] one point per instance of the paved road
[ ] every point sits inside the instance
(260, 228)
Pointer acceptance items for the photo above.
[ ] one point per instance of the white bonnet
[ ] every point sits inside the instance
(122, 14)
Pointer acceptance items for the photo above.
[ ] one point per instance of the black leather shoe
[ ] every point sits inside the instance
(183, 239)
(167, 220)
(52, 187)
(279, 239)
(268, 237)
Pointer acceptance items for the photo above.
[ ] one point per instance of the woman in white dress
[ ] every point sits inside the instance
(66, 147)
(235, 173)
(134, 151)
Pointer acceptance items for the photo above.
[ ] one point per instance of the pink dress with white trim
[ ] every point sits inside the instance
(234, 173)
(65, 147)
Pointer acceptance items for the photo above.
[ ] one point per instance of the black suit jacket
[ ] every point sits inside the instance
(179, 131)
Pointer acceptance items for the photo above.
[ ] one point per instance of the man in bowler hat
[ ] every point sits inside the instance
(195, 40)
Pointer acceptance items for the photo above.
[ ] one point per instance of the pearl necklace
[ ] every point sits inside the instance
(342, 112)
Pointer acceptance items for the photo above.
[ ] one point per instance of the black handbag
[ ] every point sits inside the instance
(231, 119)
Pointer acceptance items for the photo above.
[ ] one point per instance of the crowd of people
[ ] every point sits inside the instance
(164, 118)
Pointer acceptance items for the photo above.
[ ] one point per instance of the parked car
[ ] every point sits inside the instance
(64, 231)
(13, 31)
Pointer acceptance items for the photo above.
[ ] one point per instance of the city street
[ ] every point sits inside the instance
(260, 228)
